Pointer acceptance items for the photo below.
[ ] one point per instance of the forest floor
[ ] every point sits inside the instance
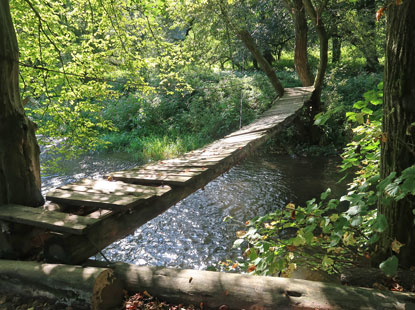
(139, 301)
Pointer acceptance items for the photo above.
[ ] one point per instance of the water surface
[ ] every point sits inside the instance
(192, 233)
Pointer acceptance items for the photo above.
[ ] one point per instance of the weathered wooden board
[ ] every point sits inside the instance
(178, 178)
(38, 217)
(115, 188)
(104, 201)
(100, 214)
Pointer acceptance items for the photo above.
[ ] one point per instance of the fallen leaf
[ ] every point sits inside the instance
(240, 233)
(293, 214)
(110, 178)
(380, 13)
(251, 268)
(291, 248)
(147, 294)
(397, 287)
(290, 206)
(190, 280)
(396, 246)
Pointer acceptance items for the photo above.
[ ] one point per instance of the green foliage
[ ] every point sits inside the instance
(345, 85)
(332, 234)
(160, 125)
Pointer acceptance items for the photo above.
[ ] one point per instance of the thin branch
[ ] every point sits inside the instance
(50, 40)
(83, 76)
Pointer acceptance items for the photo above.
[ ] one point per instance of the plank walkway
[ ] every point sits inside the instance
(113, 207)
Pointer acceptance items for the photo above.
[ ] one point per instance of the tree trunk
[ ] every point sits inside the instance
(300, 50)
(315, 102)
(336, 49)
(398, 152)
(219, 290)
(19, 151)
(82, 288)
(324, 47)
(250, 44)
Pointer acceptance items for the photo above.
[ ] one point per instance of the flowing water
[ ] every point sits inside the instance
(192, 233)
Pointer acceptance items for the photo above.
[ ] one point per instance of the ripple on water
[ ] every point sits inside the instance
(192, 234)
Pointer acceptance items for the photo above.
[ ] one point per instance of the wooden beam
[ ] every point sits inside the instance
(104, 201)
(242, 291)
(52, 220)
(102, 186)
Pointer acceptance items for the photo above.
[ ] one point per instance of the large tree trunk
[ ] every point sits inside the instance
(19, 151)
(249, 42)
(324, 47)
(398, 152)
(300, 51)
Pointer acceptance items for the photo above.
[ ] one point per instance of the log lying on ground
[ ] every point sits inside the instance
(238, 291)
(82, 288)
(368, 276)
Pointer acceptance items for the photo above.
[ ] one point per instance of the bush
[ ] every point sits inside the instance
(167, 123)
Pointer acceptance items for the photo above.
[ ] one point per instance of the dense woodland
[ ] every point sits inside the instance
(158, 78)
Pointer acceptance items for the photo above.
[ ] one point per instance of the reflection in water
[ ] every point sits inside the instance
(192, 233)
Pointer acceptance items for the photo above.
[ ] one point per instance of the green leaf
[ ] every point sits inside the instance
(356, 221)
(367, 111)
(408, 176)
(392, 189)
(390, 266)
(238, 243)
(325, 194)
(381, 186)
(380, 224)
(373, 239)
(359, 105)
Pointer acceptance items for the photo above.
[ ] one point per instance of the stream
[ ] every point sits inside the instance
(192, 233)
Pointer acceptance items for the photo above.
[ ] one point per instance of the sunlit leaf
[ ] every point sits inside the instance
(390, 266)
(396, 246)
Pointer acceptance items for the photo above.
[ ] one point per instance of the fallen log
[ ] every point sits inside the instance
(368, 276)
(241, 291)
(81, 288)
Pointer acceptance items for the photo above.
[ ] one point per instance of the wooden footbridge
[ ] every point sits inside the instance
(94, 213)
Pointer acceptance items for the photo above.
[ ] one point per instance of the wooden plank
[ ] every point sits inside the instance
(38, 217)
(115, 188)
(104, 201)
(99, 214)
(154, 177)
